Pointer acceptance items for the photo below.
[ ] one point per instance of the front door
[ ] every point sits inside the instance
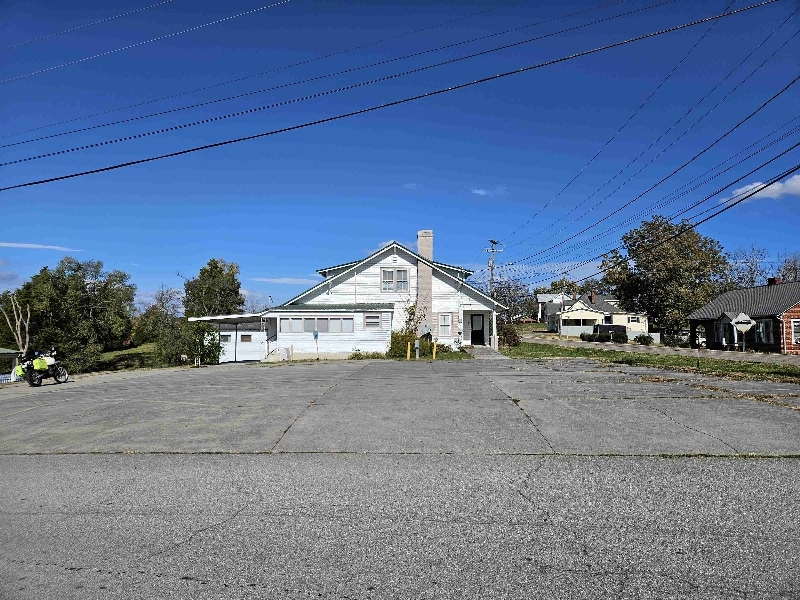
(476, 338)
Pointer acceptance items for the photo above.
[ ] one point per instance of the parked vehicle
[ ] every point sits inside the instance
(40, 367)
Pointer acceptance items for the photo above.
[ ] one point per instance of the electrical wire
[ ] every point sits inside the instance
(381, 106)
(143, 43)
(660, 137)
(693, 205)
(52, 35)
(726, 208)
(673, 173)
(345, 71)
(275, 70)
(617, 132)
(321, 94)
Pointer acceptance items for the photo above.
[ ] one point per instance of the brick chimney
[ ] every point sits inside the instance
(425, 275)
(592, 296)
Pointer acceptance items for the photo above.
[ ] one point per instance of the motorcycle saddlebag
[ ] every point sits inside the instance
(40, 364)
(18, 371)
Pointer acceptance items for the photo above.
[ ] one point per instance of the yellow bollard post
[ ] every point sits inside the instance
(434, 350)
(408, 351)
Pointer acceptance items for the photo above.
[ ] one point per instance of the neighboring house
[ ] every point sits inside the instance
(580, 314)
(774, 307)
(360, 303)
(552, 300)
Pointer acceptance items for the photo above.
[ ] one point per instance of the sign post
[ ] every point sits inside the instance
(743, 323)
(316, 341)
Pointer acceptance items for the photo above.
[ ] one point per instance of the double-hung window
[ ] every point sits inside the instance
(401, 276)
(387, 280)
(764, 331)
(394, 280)
(372, 321)
(633, 319)
(444, 325)
(796, 331)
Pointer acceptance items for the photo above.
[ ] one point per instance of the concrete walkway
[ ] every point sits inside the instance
(754, 357)
(485, 353)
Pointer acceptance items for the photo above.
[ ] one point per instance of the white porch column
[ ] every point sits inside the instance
(495, 344)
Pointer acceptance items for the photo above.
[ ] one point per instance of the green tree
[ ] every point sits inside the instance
(517, 297)
(78, 308)
(215, 291)
(567, 286)
(669, 281)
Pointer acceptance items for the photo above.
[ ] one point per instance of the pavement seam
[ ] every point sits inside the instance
(310, 404)
(522, 410)
(711, 435)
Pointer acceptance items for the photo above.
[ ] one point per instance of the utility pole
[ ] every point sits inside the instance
(491, 252)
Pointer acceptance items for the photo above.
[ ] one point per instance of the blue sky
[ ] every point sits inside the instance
(471, 165)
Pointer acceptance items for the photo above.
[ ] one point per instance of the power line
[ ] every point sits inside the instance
(345, 71)
(726, 208)
(52, 35)
(136, 45)
(318, 94)
(297, 64)
(684, 165)
(660, 137)
(381, 106)
(619, 130)
(691, 206)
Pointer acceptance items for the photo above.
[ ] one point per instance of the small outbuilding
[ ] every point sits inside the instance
(774, 307)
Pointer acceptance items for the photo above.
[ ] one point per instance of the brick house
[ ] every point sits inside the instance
(774, 307)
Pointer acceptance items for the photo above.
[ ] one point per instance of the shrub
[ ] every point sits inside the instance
(585, 336)
(643, 339)
(359, 355)
(401, 339)
(603, 337)
(676, 341)
(620, 337)
(508, 334)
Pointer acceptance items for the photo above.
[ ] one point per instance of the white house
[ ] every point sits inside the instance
(580, 314)
(359, 304)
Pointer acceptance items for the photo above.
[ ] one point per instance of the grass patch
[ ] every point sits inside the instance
(530, 327)
(688, 364)
(141, 357)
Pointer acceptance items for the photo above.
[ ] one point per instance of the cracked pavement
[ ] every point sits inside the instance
(381, 479)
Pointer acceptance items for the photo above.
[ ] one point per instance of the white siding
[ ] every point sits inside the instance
(364, 286)
(448, 298)
(376, 340)
(239, 350)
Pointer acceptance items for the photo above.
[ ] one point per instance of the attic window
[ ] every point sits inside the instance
(402, 280)
(633, 319)
(387, 280)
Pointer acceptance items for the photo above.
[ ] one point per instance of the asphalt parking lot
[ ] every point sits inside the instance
(384, 479)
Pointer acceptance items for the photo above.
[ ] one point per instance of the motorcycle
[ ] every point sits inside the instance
(34, 370)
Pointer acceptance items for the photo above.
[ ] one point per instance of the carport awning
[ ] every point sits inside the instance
(6, 352)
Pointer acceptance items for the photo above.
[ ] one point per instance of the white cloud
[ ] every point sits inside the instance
(7, 276)
(498, 191)
(36, 247)
(285, 280)
(411, 186)
(790, 187)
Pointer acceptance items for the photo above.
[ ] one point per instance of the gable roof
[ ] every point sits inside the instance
(440, 267)
(761, 301)
(600, 303)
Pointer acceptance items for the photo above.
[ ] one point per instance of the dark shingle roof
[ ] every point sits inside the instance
(600, 304)
(761, 301)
